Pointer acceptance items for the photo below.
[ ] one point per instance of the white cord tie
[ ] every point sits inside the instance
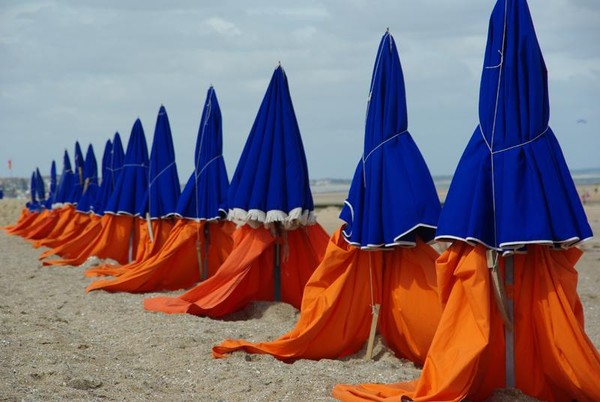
(364, 158)
(513, 146)
(161, 172)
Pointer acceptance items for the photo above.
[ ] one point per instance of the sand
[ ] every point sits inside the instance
(59, 343)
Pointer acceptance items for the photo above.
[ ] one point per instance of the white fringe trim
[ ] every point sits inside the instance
(255, 217)
(396, 243)
(517, 246)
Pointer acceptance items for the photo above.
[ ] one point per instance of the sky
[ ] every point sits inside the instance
(77, 70)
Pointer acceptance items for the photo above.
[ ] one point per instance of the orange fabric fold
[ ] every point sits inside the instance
(147, 246)
(31, 221)
(25, 215)
(43, 226)
(71, 246)
(150, 243)
(54, 224)
(247, 273)
(117, 238)
(68, 227)
(177, 264)
(554, 359)
(335, 316)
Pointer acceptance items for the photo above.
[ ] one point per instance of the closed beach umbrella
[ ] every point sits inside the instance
(269, 196)
(380, 257)
(163, 186)
(128, 197)
(270, 183)
(52, 186)
(40, 188)
(90, 180)
(511, 207)
(78, 162)
(65, 183)
(392, 199)
(112, 166)
(105, 170)
(162, 192)
(32, 204)
(205, 193)
(195, 248)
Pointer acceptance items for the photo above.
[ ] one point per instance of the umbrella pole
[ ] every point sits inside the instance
(277, 264)
(374, 319)
(509, 336)
(150, 232)
(206, 246)
(374, 315)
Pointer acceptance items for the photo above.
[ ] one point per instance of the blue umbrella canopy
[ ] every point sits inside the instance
(512, 186)
(66, 182)
(33, 205)
(163, 185)
(117, 159)
(40, 187)
(106, 185)
(271, 183)
(129, 192)
(392, 198)
(53, 184)
(90, 181)
(78, 163)
(110, 173)
(105, 168)
(205, 193)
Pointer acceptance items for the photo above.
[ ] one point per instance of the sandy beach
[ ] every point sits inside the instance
(59, 343)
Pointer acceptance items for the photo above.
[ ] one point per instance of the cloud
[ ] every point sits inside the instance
(222, 27)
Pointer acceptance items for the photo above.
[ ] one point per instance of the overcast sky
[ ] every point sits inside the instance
(81, 70)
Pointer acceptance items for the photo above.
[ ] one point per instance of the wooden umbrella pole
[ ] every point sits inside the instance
(374, 319)
(509, 335)
(374, 315)
(150, 232)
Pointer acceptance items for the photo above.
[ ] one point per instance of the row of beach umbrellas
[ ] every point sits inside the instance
(498, 308)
